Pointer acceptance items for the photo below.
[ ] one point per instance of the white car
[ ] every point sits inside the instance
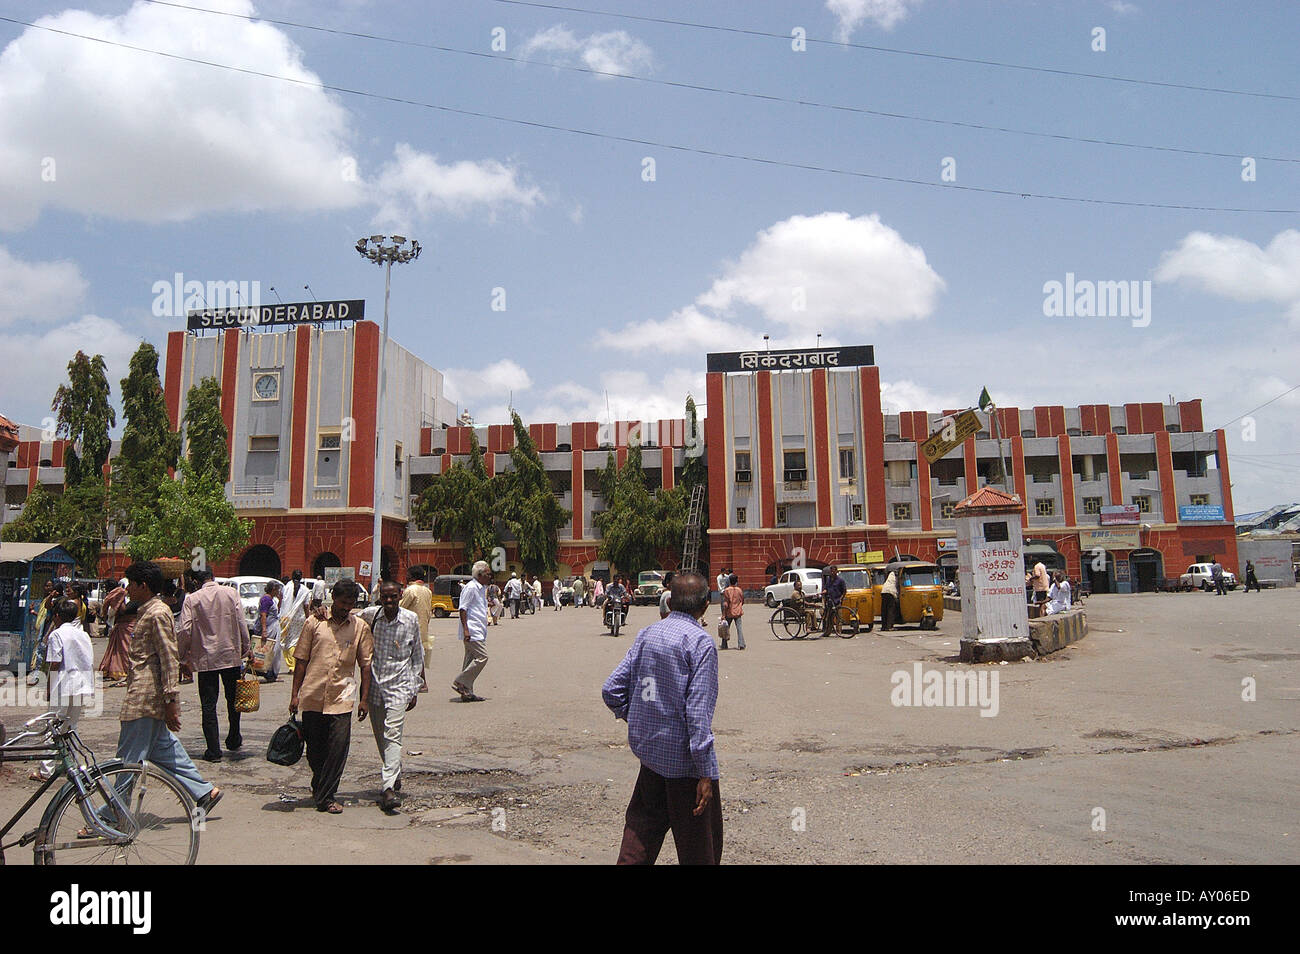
(250, 589)
(1200, 576)
(783, 588)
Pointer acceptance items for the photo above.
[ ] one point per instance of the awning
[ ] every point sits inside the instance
(32, 552)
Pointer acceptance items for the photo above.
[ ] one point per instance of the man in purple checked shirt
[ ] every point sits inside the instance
(666, 688)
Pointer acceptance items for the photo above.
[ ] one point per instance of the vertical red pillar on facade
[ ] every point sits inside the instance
(1019, 478)
(666, 473)
(972, 467)
(298, 422)
(873, 445)
(490, 463)
(172, 372)
(1165, 467)
(1042, 422)
(821, 448)
(364, 404)
(923, 485)
(1153, 418)
(1189, 416)
(715, 438)
(1067, 479)
(1112, 468)
(1133, 418)
(230, 389)
(575, 481)
(766, 452)
(1056, 420)
(1225, 481)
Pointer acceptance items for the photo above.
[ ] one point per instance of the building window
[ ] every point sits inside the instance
(1045, 507)
(1119, 430)
(1174, 428)
(902, 511)
(740, 515)
(743, 473)
(1143, 504)
(1028, 433)
(848, 464)
(796, 467)
(329, 448)
(1092, 505)
(1200, 500)
(855, 512)
(263, 459)
(780, 516)
(1139, 474)
(1073, 432)
(397, 466)
(947, 510)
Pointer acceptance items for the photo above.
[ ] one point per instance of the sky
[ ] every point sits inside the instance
(605, 191)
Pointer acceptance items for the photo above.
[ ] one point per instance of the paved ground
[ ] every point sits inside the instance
(1143, 721)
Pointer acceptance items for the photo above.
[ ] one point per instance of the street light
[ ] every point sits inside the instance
(401, 250)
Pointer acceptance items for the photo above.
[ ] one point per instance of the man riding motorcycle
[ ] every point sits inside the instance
(617, 599)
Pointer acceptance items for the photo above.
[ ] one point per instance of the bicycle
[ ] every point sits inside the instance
(789, 623)
(126, 813)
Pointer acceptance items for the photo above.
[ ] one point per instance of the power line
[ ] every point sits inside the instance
(1254, 409)
(902, 52)
(695, 150)
(722, 90)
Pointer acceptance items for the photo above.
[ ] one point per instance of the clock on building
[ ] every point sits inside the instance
(267, 386)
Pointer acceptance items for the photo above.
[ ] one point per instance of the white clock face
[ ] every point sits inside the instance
(266, 386)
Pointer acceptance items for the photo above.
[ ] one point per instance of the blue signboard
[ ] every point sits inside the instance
(1199, 512)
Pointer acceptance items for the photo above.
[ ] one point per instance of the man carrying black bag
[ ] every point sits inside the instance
(286, 744)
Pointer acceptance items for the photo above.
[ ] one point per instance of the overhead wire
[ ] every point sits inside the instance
(676, 147)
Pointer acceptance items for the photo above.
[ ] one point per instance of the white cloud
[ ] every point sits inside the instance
(829, 272)
(415, 185)
(907, 395)
(886, 14)
(1122, 8)
(1235, 268)
(687, 330)
(38, 292)
(39, 360)
(616, 51)
(493, 383)
(102, 130)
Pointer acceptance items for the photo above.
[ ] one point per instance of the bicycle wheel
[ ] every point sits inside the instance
(848, 622)
(777, 622)
(160, 806)
(793, 622)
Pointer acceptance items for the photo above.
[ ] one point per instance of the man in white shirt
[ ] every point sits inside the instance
(723, 577)
(473, 628)
(513, 590)
(72, 668)
(537, 593)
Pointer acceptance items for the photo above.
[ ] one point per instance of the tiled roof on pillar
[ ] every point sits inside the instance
(989, 499)
(8, 434)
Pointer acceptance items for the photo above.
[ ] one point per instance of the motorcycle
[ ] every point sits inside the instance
(615, 613)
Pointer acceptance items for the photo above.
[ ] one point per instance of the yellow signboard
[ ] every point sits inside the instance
(871, 556)
(953, 433)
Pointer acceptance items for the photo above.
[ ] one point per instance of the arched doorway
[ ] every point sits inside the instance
(1098, 572)
(323, 562)
(1147, 566)
(260, 560)
(1044, 552)
(461, 569)
(948, 563)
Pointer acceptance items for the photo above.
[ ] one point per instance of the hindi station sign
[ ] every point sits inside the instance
(287, 313)
(1121, 513)
(793, 360)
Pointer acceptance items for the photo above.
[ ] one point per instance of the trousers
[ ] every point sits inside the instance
(211, 683)
(146, 739)
(327, 738)
(659, 804)
(387, 723)
(476, 658)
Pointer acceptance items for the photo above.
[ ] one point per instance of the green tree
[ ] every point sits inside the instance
(695, 472)
(637, 524)
(41, 520)
(461, 504)
(84, 416)
(193, 519)
(149, 446)
(206, 435)
(528, 505)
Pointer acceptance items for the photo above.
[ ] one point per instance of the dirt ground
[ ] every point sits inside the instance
(1134, 746)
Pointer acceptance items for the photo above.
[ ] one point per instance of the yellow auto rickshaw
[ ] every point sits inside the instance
(861, 598)
(446, 594)
(920, 590)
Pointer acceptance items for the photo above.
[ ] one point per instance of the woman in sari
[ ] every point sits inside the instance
(268, 627)
(296, 606)
(121, 615)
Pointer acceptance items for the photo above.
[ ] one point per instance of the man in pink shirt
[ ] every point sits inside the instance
(213, 637)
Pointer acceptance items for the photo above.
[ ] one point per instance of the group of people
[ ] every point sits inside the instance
(1051, 591)
(821, 612)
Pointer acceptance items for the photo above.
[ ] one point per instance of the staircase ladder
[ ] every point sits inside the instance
(691, 544)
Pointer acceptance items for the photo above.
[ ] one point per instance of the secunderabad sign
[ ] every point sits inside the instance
(287, 313)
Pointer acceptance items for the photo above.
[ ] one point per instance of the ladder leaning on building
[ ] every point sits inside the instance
(691, 543)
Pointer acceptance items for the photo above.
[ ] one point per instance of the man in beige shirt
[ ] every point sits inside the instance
(418, 598)
(325, 687)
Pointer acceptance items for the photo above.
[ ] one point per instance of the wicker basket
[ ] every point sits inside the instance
(172, 567)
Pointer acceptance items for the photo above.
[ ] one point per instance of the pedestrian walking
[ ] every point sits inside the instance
(537, 594)
(71, 660)
(733, 608)
(889, 601)
(1251, 578)
(579, 591)
(834, 589)
(496, 604)
(1040, 582)
(723, 578)
(325, 686)
(295, 607)
(151, 713)
(666, 689)
(213, 638)
(121, 616)
(268, 628)
(396, 675)
(556, 597)
(665, 597)
(473, 631)
(418, 598)
(1216, 574)
(514, 590)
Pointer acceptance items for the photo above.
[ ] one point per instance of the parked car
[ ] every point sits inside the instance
(250, 589)
(782, 589)
(1201, 576)
(649, 584)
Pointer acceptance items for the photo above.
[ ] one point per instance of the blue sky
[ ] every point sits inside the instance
(119, 168)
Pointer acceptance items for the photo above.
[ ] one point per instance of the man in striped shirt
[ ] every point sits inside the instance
(666, 688)
(396, 674)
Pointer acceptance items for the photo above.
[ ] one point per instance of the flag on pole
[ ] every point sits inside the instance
(985, 400)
